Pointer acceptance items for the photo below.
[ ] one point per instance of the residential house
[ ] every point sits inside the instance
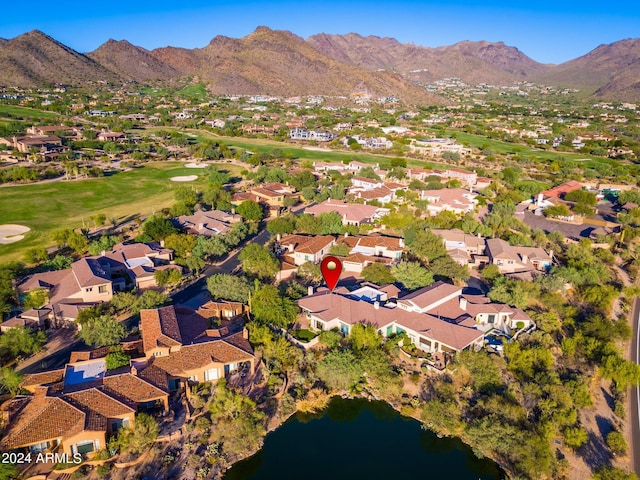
(351, 213)
(180, 344)
(436, 319)
(302, 249)
(222, 310)
(465, 176)
(456, 200)
(93, 280)
(208, 224)
(315, 135)
(77, 408)
(463, 248)
(517, 259)
(118, 137)
(366, 250)
(437, 146)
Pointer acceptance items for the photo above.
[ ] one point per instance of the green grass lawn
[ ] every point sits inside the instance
(196, 91)
(16, 111)
(298, 152)
(507, 148)
(45, 207)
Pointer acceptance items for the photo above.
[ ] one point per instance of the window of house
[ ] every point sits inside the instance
(193, 378)
(491, 319)
(102, 289)
(211, 374)
(85, 447)
(90, 289)
(39, 447)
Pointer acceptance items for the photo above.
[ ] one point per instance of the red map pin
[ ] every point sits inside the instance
(331, 268)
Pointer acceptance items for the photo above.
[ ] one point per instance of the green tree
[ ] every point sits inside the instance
(102, 331)
(140, 437)
(364, 337)
(103, 244)
(77, 242)
(182, 244)
(229, 287)
(250, 211)
(149, 299)
(616, 443)
(36, 255)
(22, 341)
(59, 262)
(607, 472)
(281, 225)
(116, 358)
(330, 338)
(157, 227)
(35, 298)
(412, 275)
(8, 471)
(339, 370)
(575, 437)
(310, 271)
(340, 250)
(10, 380)
(331, 223)
(167, 276)
(268, 306)
(259, 261)
(378, 273)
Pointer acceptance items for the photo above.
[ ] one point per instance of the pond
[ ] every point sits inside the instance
(360, 439)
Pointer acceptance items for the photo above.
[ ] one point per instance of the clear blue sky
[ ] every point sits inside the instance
(547, 31)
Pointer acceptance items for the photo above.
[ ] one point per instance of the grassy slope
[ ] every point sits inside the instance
(45, 207)
(16, 111)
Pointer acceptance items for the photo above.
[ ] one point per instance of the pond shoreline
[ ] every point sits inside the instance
(276, 422)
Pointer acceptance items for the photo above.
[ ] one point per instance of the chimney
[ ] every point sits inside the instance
(162, 243)
(245, 333)
(539, 201)
(278, 237)
(525, 258)
(376, 305)
(233, 211)
(134, 370)
(463, 303)
(310, 290)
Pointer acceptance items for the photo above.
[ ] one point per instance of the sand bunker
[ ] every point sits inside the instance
(10, 233)
(317, 149)
(184, 178)
(195, 165)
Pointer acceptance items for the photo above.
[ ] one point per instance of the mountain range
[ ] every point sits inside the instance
(282, 63)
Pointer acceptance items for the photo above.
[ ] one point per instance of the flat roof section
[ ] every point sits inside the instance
(82, 372)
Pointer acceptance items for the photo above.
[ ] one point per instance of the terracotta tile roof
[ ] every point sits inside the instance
(98, 407)
(159, 328)
(155, 376)
(191, 357)
(131, 389)
(42, 378)
(43, 418)
(427, 296)
(307, 244)
(354, 212)
(214, 309)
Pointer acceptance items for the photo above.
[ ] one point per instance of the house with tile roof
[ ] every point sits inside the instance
(214, 222)
(92, 280)
(456, 200)
(303, 248)
(437, 319)
(351, 213)
(180, 343)
(77, 408)
(517, 259)
(464, 248)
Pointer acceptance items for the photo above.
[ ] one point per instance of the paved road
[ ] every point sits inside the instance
(192, 296)
(634, 398)
(228, 265)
